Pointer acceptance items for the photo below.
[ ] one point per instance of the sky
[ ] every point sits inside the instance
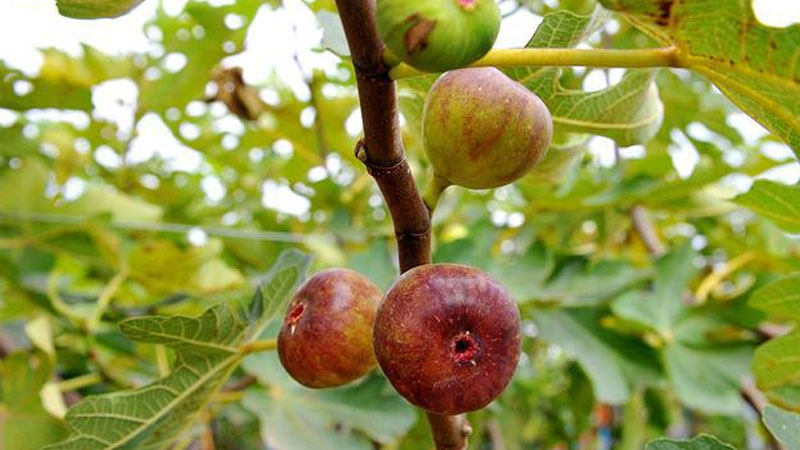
(23, 23)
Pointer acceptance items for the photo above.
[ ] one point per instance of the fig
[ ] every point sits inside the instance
(481, 129)
(438, 35)
(447, 337)
(326, 336)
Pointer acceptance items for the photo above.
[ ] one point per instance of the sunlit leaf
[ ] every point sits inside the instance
(753, 64)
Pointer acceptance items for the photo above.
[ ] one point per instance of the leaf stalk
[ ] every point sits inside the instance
(564, 57)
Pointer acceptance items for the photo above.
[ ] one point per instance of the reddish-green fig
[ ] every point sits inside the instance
(447, 337)
(326, 336)
(482, 129)
(438, 35)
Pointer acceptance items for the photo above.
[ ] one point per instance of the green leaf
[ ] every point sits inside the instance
(775, 201)
(24, 423)
(99, 200)
(613, 363)
(629, 112)
(702, 442)
(781, 297)
(164, 267)
(753, 64)
(784, 425)
(661, 309)
(95, 9)
(707, 379)
(777, 362)
(206, 351)
(297, 418)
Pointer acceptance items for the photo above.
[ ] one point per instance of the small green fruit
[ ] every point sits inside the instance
(438, 35)
(481, 129)
(326, 337)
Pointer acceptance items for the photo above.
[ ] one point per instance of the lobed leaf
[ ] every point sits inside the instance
(756, 66)
(206, 350)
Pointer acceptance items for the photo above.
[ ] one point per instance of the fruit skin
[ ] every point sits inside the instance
(482, 129)
(438, 35)
(326, 336)
(447, 337)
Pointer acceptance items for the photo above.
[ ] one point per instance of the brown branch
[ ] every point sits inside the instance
(647, 231)
(381, 151)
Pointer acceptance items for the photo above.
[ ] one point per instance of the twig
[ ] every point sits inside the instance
(647, 231)
(7, 345)
(381, 151)
(73, 384)
(240, 384)
(108, 293)
(258, 346)
(717, 276)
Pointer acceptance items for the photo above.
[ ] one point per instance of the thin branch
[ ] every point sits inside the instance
(381, 151)
(564, 57)
(717, 276)
(647, 231)
(266, 345)
(73, 384)
(108, 293)
(7, 345)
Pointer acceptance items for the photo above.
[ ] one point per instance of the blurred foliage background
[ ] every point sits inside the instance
(99, 223)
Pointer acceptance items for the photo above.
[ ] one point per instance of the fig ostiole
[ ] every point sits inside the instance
(448, 338)
(438, 35)
(482, 130)
(326, 336)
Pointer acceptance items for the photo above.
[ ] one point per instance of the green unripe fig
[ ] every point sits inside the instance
(438, 35)
(481, 129)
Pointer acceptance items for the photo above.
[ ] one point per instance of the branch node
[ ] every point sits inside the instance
(375, 170)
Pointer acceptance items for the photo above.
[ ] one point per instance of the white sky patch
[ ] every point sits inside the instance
(153, 138)
(213, 188)
(517, 29)
(78, 119)
(596, 80)
(785, 173)
(36, 24)
(777, 13)
(751, 131)
(115, 101)
(197, 237)
(684, 156)
(602, 149)
(282, 199)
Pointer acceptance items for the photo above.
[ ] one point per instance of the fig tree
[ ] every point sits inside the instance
(438, 35)
(481, 129)
(326, 336)
(447, 337)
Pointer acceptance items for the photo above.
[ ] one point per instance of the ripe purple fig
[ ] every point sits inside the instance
(326, 336)
(448, 338)
(481, 129)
